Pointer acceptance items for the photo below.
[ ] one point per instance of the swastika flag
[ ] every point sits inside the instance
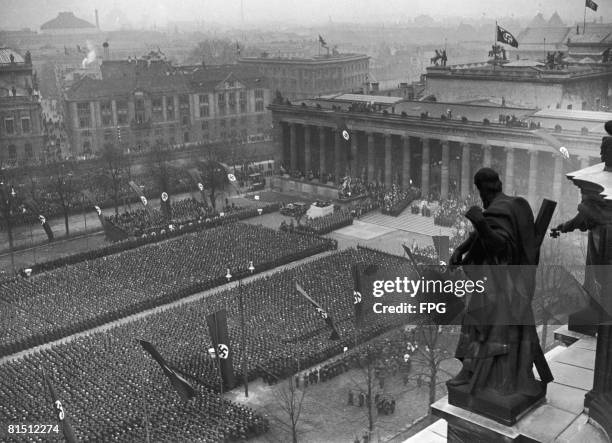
(504, 36)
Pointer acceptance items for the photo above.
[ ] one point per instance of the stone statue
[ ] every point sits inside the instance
(499, 345)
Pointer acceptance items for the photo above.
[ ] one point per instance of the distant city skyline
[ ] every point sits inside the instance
(18, 14)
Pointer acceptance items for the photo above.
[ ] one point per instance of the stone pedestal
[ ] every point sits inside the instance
(504, 409)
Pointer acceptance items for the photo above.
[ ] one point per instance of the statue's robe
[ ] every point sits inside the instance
(498, 336)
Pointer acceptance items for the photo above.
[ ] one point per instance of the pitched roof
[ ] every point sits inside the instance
(66, 20)
(538, 21)
(554, 35)
(123, 78)
(555, 20)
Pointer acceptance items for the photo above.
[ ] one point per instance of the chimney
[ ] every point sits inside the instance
(97, 21)
(106, 51)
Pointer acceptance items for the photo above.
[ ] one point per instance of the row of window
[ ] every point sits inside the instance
(27, 151)
(157, 108)
(10, 126)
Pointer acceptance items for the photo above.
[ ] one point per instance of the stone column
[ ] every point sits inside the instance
(425, 168)
(307, 150)
(486, 156)
(465, 170)
(405, 161)
(509, 182)
(557, 176)
(371, 158)
(444, 170)
(354, 171)
(292, 147)
(388, 162)
(337, 155)
(533, 176)
(322, 152)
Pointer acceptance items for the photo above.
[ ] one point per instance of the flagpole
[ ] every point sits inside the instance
(584, 20)
(494, 46)
(243, 339)
(217, 354)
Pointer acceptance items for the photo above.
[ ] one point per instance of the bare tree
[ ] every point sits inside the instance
(291, 400)
(63, 187)
(214, 176)
(377, 362)
(115, 165)
(434, 345)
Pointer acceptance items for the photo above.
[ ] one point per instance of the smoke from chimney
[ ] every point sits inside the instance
(91, 54)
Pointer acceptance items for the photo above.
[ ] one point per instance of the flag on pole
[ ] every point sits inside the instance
(140, 194)
(591, 4)
(61, 412)
(321, 313)
(361, 298)
(179, 383)
(166, 207)
(412, 259)
(217, 328)
(111, 232)
(322, 42)
(504, 36)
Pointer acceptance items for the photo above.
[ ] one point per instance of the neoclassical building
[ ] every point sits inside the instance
(438, 146)
(138, 103)
(303, 77)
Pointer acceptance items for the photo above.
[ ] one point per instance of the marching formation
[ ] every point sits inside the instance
(75, 298)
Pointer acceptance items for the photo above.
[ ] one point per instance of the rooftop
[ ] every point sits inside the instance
(523, 71)
(554, 35)
(123, 78)
(66, 20)
(307, 60)
(363, 98)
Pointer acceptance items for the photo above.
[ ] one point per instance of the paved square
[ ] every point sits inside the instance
(364, 231)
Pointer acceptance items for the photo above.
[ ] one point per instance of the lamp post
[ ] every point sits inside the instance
(24, 211)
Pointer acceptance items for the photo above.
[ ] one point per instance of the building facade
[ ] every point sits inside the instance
(302, 78)
(409, 143)
(139, 103)
(577, 86)
(21, 128)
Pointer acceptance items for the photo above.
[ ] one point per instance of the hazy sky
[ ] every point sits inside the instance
(32, 13)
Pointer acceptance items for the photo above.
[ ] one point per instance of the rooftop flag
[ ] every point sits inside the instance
(591, 4)
(504, 36)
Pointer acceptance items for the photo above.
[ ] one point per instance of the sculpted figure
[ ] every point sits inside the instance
(499, 344)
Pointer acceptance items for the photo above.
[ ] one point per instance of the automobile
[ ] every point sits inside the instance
(293, 209)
